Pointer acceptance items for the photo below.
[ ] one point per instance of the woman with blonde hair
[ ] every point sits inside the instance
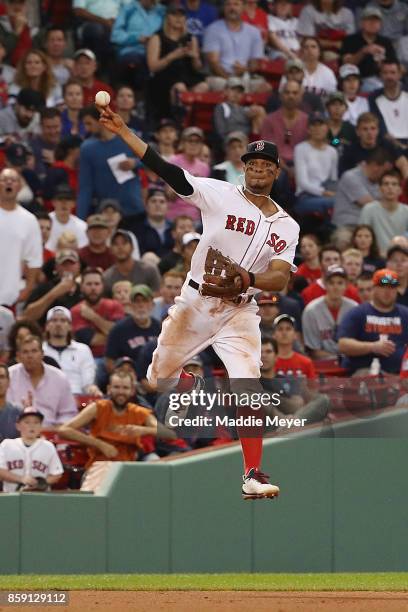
(34, 72)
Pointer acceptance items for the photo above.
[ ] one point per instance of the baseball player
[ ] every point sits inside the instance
(248, 245)
(29, 462)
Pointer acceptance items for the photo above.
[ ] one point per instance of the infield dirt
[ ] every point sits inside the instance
(231, 601)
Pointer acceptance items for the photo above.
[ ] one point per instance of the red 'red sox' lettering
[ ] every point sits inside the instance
(277, 245)
(243, 225)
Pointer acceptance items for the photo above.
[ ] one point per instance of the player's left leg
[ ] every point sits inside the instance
(238, 344)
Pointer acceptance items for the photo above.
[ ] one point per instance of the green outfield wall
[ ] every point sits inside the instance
(343, 507)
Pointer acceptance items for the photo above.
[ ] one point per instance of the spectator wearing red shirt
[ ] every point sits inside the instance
(289, 362)
(329, 256)
(15, 30)
(256, 16)
(97, 254)
(94, 316)
(45, 223)
(309, 250)
(84, 69)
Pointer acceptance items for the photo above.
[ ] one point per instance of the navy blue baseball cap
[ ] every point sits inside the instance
(263, 149)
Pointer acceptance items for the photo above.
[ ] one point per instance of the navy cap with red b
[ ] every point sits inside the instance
(261, 149)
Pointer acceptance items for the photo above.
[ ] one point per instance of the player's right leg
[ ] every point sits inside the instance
(238, 344)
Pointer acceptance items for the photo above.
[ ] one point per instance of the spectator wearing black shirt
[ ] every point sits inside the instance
(127, 337)
(62, 290)
(341, 133)
(368, 138)
(363, 239)
(397, 260)
(272, 304)
(8, 412)
(182, 224)
(44, 145)
(367, 48)
(152, 230)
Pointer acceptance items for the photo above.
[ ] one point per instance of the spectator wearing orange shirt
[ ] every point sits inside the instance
(116, 424)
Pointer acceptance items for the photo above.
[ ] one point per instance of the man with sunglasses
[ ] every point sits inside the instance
(376, 329)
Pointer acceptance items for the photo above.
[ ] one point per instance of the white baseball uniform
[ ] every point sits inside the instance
(38, 460)
(239, 229)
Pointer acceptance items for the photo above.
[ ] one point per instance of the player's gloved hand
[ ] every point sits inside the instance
(223, 277)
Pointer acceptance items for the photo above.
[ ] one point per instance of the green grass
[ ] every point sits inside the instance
(212, 582)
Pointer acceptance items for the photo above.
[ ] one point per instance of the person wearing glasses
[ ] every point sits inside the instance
(376, 329)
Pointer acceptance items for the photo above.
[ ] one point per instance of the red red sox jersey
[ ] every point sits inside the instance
(38, 460)
(239, 229)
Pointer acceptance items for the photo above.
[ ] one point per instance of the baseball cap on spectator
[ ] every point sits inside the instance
(397, 248)
(336, 96)
(269, 297)
(87, 52)
(317, 118)
(109, 203)
(196, 360)
(59, 310)
(63, 192)
(66, 255)
(385, 277)
(156, 191)
(16, 154)
(163, 123)
(347, 70)
(294, 63)
(335, 271)
(30, 411)
(189, 237)
(240, 136)
(97, 221)
(192, 131)
(124, 233)
(142, 290)
(30, 99)
(235, 82)
(175, 7)
(371, 11)
(124, 360)
(284, 317)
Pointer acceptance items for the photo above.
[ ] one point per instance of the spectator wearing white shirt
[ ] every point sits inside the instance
(315, 170)
(63, 220)
(350, 83)
(282, 30)
(391, 105)
(74, 358)
(20, 241)
(319, 78)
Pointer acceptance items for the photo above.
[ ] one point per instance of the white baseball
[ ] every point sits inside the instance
(102, 98)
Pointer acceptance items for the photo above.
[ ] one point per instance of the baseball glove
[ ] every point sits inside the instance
(42, 485)
(223, 277)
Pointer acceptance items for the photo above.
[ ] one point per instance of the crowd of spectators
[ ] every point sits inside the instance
(94, 247)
